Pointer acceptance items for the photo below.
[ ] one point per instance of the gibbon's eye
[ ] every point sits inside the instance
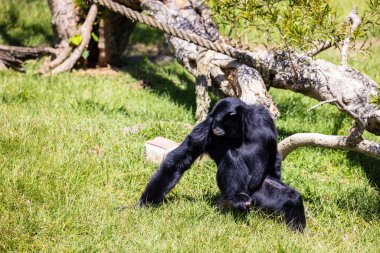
(232, 113)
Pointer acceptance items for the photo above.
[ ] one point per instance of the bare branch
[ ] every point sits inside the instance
(23, 53)
(355, 20)
(13, 56)
(64, 51)
(85, 31)
(11, 62)
(295, 141)
(320, 48)
(321, 103)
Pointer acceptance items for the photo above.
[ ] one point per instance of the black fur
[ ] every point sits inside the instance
(242, 140)
(277, 197)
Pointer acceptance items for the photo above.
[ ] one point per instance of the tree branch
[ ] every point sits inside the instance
(13, 56)
(320, 48)
(278, 68)
(322, 103)
(85, 32)
(323, 81)
(9, 61)
(295, 141)
(25, 53)
(355, 135)
(355, 20)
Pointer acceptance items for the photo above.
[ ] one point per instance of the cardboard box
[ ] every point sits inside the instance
(157, 149)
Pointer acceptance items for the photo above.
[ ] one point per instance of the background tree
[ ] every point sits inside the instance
(82, 34)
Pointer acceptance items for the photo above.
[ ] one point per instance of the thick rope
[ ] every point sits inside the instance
(185, 35)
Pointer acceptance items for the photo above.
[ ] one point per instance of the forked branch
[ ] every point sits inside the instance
(85, 32)
(355, 20)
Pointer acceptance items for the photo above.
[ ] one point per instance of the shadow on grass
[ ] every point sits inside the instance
(90, 105)
(370, 166)
(162, 83)
(283, 133)
(215, 201)
(15, 32)
(146, 35)
(18, 40)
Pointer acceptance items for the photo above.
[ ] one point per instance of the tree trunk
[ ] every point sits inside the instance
(113, 28)
(114, 32)
(64, 21)
(85, 32)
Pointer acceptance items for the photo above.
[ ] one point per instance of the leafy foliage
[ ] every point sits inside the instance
(300, 24)
(76, 40)
(371, 18)
(95, 37)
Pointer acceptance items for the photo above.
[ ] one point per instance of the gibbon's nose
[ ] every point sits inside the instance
(217, 130)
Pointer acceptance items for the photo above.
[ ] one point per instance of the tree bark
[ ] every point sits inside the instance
(203, 99)
(64, 21)
(8, 61)
(85, 32)
(114, 33)
(13, 56)
(26, 53)
(295, 141)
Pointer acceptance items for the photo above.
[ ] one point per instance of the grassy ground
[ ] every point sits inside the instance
(69, 164)
(25, 22)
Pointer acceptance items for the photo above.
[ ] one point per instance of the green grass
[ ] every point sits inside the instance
(25, 23)
(68, 167)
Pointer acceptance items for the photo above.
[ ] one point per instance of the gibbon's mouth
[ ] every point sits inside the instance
(218, 131)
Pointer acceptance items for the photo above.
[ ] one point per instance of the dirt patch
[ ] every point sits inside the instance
(98, 71)
(141, 84)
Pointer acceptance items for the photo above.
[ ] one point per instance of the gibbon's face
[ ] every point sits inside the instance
(227, 118)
